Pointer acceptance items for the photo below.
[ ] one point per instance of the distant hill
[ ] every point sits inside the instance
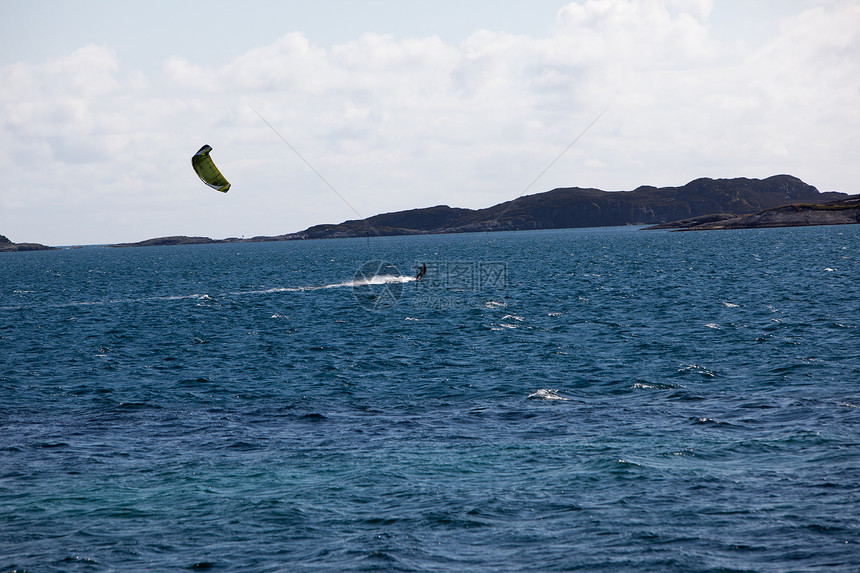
(567, 208)
(577, 207)
(7, 246)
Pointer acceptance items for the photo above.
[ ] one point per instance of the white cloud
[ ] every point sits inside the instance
(396, 123)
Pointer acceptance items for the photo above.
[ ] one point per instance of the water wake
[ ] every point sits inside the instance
(205, 297)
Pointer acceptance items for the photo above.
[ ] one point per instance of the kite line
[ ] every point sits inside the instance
(324, 180)
(510, 204)
(566, 149)
(354, 210)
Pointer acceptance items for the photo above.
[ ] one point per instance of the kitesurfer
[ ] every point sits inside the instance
(421, 272)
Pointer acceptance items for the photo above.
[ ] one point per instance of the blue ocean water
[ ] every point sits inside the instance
(586, 399)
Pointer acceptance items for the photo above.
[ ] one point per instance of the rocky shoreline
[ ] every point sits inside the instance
(844, 212)
(7, 246)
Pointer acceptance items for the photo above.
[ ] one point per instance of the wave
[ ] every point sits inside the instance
(548, 394)
(653, 386)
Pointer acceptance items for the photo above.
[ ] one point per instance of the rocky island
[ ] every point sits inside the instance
(7, 246)
(175, 240)
(571, 207)
(843, 212)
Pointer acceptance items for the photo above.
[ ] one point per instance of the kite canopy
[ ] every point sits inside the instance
(206, 170)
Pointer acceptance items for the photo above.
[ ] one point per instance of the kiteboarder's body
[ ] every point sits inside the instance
(421, 272)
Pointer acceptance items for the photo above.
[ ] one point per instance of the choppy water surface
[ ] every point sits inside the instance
(598, 399)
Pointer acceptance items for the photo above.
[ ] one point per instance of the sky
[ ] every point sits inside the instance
(321, 111)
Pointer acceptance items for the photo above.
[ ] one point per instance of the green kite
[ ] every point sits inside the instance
(206, 170)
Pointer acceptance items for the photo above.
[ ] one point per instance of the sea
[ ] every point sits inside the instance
(607, 399)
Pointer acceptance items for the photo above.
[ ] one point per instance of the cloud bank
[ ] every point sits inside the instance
(95, 152)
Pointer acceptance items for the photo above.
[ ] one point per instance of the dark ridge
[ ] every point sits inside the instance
(719, 203)
(7, 246)
(176, 240)
(578, 207)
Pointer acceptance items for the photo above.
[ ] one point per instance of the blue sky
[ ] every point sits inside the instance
(402, 105)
